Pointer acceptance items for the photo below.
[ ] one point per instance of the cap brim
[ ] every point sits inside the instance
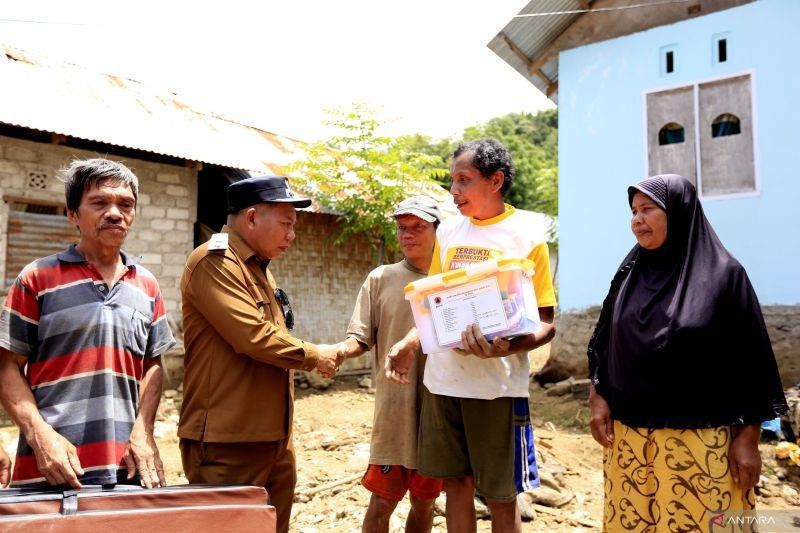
(427, 217)
(297, 202)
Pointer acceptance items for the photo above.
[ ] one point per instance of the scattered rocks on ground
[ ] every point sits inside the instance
(359, 459)
(439, 505)
(580, 388)
(481, 509)
(554, 370)
(561, 388)
(526, 510)
(549, 497)
(318, 382)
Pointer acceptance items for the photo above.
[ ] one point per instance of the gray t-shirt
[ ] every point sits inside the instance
(382, 317)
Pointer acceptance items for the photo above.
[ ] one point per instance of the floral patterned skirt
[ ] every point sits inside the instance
(669, 480)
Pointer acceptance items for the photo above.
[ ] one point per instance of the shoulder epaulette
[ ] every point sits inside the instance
(218, 242)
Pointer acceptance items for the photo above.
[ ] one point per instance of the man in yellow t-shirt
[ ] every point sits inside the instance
(475, 428)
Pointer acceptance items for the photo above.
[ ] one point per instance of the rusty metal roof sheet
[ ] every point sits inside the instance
(71, 100)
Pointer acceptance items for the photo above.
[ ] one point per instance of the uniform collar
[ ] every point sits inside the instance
(241, 248)
(72, 255)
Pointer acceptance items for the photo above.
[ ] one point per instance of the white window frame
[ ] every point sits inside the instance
(698, 167)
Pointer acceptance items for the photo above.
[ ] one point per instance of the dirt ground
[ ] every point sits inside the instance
(332, 438)
(332, 429)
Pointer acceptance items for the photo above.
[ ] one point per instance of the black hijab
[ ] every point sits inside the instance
(681, 341)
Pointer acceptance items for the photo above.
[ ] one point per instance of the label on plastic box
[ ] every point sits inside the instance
(477, 302)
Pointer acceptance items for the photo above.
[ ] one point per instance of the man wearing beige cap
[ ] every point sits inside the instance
(236, 417)
(381, 317)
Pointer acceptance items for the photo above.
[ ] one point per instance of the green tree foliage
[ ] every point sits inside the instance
(439, 152)
(361, 175)
(533, 143)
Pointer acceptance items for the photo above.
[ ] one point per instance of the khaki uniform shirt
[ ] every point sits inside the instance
(238, 384)
(382, 317)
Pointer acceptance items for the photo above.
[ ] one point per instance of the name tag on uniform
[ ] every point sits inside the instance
(218, 241)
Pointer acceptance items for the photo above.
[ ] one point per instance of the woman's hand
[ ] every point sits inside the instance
(600, 420)
(743, 456)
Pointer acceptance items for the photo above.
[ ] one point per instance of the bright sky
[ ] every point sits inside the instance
(423, 64)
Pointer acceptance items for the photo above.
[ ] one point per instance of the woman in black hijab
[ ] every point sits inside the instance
(682, 369)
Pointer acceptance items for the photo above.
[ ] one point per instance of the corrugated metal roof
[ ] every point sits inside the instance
(531, 44)
(531, 36)
(34, 235)
(71, 100)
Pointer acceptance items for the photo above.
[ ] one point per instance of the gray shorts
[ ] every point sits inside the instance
(490, 440)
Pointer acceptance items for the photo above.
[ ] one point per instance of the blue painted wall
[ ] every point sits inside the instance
(602, 146)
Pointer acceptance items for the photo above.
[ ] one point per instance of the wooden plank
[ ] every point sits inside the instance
(517, 52)
(551, 87)
(33, 201)
(331, 485)
(567, 516)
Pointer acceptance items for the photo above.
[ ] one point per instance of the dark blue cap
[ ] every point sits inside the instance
(258, 189)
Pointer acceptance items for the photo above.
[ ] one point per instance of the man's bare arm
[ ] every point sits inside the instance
(56, 457)
(401, 356)
(141, 453)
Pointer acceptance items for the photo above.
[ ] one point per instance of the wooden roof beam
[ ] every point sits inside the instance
(553, 87)
(550, 85)
(517, 52)
(538, 62)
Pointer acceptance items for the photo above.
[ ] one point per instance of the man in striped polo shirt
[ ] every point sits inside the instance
(81, 335)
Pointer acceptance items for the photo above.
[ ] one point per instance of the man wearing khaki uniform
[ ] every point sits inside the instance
(236, 417)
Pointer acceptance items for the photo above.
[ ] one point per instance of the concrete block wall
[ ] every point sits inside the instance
(162, 232)
(322, 279)
(575, 329)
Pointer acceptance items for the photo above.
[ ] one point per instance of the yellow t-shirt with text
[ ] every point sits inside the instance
(461, 241)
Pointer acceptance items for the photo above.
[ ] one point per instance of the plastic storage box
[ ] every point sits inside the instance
(496, 294)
